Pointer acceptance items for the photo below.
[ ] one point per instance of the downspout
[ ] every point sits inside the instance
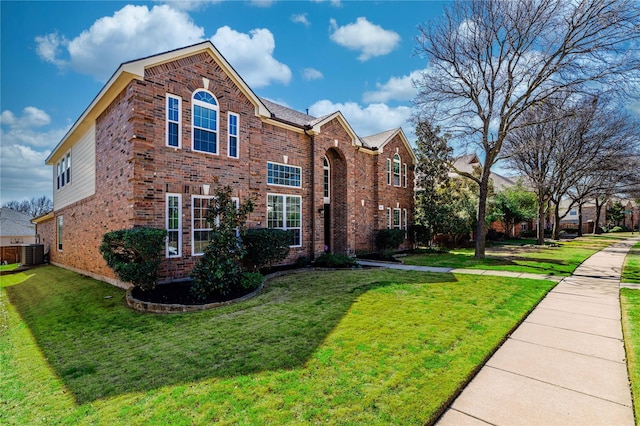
(313, 193)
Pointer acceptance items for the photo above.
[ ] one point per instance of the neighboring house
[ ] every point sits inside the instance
(150, 147)
(467, 163)
(16, 230)
(589, 214)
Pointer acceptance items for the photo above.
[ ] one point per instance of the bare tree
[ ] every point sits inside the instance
(34, 207)
(492, 60)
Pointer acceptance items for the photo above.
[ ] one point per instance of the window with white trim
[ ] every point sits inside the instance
(174, 225)
(389, 218)
(388, 171)
(404, 174)
(200, 226)
(204, 118)
(396, 219)
(396, 170)
(233, 129)
(326, 169)
(285, 212)
(284, 175)
(174, 121)
(63, 171)
(405, 223)
(59, 233)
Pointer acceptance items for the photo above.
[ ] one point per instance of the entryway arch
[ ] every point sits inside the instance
(335, 201)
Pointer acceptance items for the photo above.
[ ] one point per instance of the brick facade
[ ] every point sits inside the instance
(135, 169)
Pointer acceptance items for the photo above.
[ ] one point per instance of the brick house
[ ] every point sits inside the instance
(149, 147)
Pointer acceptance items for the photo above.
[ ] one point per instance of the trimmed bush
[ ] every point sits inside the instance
(389, 239)
(265, 246)
(135, 254)
(329, 260)
(251, 280)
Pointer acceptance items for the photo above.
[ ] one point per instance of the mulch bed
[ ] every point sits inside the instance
(178, 293)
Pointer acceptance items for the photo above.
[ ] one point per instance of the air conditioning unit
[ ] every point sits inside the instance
(32, 254)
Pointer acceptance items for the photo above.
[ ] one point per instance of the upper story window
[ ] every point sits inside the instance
(404, 175)
(205, 122)
(396, 170)
(388, 171)
(284, 175)
(63, 171)
(233, 130)
(174, 121)
(327, 179)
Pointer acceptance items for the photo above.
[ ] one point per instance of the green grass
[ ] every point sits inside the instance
(344, 347)
(631, 270)
(630, 301)
(559, 259)
(9, 267)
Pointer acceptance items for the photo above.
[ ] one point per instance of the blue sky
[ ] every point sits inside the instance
(353, 56)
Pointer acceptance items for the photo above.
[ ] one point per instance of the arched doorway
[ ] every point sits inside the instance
(335, 201)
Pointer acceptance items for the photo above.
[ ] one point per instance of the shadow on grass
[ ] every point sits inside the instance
(100, 348)
(512, 262)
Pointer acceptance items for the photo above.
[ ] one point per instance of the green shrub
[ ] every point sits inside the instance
(251, 280)
(219, 270)
(389, 239)
(135, 254)
(617, 229)
(329, 260)
(265, 246)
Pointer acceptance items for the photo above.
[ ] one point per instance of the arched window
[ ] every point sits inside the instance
(204, 117)
(396, 170)
(327, 180)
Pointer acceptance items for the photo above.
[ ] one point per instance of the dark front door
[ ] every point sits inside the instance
(327, 227)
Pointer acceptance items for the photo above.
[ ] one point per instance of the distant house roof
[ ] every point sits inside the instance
(467, 163)
(15, 224)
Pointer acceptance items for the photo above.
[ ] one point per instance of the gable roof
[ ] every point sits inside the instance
(466, 163)
(15, 224)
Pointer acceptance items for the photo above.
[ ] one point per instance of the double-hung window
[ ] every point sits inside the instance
(326, 169)
(404, 174)
(63, 171)
(205, 122)
(284, 175)
(174, 225)
(388, 171)
(396, 219)
(200, 226)
(396, 170)
(174, 121)
(233, 130)
(285, 212)
(389, 219)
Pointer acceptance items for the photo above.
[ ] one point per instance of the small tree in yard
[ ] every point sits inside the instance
(219, 270)
(135, 254)
(512, 206)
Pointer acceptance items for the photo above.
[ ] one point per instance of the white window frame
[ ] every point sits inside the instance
(326, 180)
(216, 108)
(399, 216)
(388, 171)
(167, 224)
(231, 135)
(193, 223)
(389, 219)
(404, 174)
(406, 224)
(169, 121)
(59, 231)
(285, 226)
(284, 165)
(396, 160)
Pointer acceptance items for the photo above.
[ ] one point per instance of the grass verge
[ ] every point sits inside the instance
(9, 267)
(344, 347)
(631, 269)
(559, 259)
(630, 301)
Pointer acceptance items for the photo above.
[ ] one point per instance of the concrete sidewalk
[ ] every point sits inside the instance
(565, 364)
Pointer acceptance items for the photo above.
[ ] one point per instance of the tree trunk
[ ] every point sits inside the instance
(481, 227)
(556, 221)
(541, 215)
(598, 212)
(579, 219)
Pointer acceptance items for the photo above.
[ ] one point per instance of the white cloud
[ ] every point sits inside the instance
(311, 74)
(262, 3)
(370, 39)
(132, 32)
(252, 55)
(396, 88)
(190, 4)
(369, 120)
(16, 182)
(334, 3)
(300, 18)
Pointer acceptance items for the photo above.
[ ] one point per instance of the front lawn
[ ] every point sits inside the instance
(344, 347)
(630, 301)
(560, 259)
(631, 270)
(9, 267)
